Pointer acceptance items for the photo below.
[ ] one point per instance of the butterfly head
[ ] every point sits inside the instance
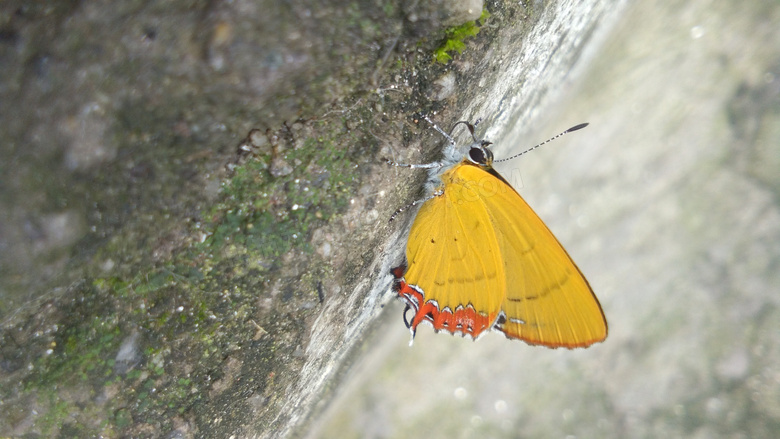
(480, 155)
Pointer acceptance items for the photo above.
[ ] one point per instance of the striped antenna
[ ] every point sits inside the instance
(574, 128)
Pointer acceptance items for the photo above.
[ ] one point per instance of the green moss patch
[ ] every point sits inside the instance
(455, 37)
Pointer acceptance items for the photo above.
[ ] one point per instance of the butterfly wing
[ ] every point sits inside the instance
(479, 257)
(455, 262)
(547, 300)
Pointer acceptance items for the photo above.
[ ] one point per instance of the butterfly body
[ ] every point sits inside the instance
(478, 258)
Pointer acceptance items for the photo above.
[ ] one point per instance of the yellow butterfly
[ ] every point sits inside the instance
(479, 258)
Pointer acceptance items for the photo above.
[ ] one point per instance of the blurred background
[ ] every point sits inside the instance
(668, 202)
(156, 280)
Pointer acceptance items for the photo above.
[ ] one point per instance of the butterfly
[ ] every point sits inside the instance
(479, 259)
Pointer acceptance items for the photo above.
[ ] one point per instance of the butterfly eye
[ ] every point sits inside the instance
(476, 155)
(480, 155)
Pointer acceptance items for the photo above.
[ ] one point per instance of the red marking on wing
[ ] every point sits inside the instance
(398, 272)
(465, 320)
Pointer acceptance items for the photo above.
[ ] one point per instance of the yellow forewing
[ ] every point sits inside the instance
(480, 244)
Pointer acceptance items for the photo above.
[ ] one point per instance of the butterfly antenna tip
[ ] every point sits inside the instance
(577, 127)
(574, 128)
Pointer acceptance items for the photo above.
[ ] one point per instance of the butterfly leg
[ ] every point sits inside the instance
(446, 136)
(413, 166)
(441, 131)
(437, 193)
